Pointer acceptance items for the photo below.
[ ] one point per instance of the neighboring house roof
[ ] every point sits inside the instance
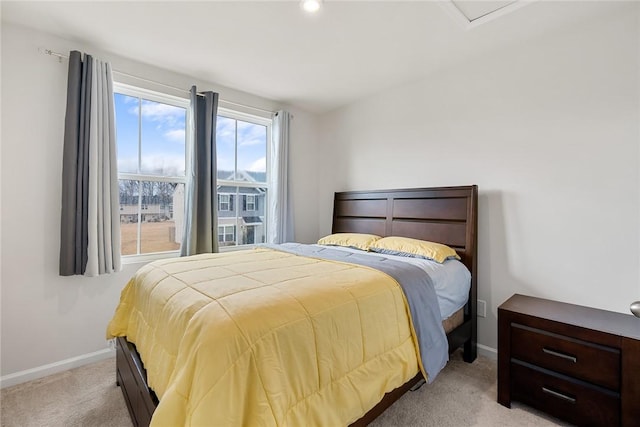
(247, 176)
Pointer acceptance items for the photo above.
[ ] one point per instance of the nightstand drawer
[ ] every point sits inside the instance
(564, 397)
(580, 359)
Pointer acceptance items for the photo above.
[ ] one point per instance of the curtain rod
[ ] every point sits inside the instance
(62, 56)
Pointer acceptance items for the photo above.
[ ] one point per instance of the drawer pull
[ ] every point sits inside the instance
(560, 355)
(559, 395)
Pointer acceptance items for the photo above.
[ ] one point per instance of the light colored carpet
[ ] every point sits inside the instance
(462, 395)
(85, 396)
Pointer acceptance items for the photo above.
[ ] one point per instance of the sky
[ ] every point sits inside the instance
(163, 139)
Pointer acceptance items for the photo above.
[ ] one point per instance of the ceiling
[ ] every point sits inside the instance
(351, 49)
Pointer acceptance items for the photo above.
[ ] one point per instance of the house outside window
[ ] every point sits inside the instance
(242, 145)
(152, 159)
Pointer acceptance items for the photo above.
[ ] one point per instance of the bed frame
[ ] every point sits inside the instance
(446, 215)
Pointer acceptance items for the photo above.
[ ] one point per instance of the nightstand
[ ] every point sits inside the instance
(577, 363)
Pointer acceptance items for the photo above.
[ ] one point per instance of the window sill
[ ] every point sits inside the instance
(236, 248)
(145, 258)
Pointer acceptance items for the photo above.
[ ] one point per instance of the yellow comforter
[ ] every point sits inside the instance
(266, 338)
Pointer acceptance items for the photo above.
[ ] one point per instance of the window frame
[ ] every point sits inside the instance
(155, 96)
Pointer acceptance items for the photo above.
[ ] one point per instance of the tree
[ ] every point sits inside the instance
(128, 192)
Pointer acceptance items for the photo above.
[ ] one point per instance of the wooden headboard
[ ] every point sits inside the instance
(446, 215)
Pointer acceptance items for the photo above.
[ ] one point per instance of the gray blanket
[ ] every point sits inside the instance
(417, 287)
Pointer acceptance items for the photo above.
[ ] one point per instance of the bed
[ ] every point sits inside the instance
(447, 215)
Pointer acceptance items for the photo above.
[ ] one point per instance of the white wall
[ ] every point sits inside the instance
(47, 318)
(549, 131)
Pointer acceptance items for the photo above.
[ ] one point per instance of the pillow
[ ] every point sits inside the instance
(351, 240)
(414, 248)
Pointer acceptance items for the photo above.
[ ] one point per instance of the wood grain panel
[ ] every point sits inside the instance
(630, 382)
(449, 209)
(362, 208)
(591, 406)
(410, 193)
(451, 234)
(580, 359)
(360, 225)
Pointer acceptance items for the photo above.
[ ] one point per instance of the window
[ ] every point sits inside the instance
(227, 235)
(152, 159)
(224, 202)
(152, 154)
(242, 145)
(250, 202)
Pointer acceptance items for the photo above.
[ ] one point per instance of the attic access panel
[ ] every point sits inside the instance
(471, 13)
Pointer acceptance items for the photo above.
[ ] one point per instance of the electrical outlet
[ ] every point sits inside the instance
(482, 308)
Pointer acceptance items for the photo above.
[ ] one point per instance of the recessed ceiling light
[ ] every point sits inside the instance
(310, 6)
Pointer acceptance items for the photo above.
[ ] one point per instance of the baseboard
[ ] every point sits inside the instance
(54, 368)
(488, 352)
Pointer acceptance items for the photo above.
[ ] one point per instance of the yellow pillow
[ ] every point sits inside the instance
(351, 240)
(414, 248)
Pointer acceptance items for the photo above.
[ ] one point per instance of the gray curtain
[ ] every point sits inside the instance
(90, 227)
(201, 211)
(280, 209)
